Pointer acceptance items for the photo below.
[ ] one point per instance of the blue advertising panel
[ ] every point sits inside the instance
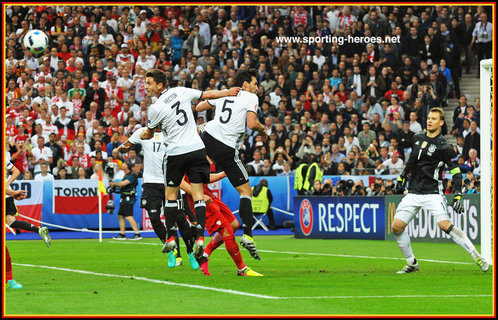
(339, 217)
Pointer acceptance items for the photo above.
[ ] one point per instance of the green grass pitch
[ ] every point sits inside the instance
(301, 276)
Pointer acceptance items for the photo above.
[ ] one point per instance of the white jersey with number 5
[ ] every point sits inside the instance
(154, 150)
(229, 123)
(173, 113)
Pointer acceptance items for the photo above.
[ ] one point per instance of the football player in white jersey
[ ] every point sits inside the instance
(223, 137)
(185, 152)
(153, 191)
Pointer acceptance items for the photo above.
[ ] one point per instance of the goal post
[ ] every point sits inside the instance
(486, 159)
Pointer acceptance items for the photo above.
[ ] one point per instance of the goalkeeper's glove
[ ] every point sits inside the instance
(399, 187)
(457, 203)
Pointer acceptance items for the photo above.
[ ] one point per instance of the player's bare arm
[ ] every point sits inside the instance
(16, 194)
(215, 94)
(125, 147)
(185, 186)
(213, 177)
(15, 173)
(147, 134)
(204, 105)
(254, 124)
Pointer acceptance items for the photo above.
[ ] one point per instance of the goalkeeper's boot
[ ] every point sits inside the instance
(203, 265)
(169, 245)
(179, 261)
(172, 258)
(193, 262)
(43, 232)
(199, 247)
(248, 243)
(482, 264)
(12, 284)
(248, 272)
(409, 268)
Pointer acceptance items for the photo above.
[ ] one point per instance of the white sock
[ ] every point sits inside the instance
(461, 238)
(405, 246)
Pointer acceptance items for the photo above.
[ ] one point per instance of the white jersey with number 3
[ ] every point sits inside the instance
(173, 113)
(229, 123)
(154, 150)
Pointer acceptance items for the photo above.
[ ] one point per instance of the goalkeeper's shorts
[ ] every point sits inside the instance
(435, 204)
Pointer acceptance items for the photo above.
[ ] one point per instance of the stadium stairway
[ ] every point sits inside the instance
(469, 86)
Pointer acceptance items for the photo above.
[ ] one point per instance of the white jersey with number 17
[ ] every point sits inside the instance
(154, 150)
(229, 123)
(173, 113)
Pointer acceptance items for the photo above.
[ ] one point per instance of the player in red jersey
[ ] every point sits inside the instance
(221, 222)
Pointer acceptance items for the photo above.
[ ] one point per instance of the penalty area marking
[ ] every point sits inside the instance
(248, 294)
(320, 254)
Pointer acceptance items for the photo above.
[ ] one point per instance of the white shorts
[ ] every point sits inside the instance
(412, 203)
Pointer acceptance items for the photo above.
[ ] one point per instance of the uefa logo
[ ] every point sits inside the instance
(306, 217)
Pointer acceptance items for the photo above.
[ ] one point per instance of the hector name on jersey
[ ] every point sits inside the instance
(427, 163)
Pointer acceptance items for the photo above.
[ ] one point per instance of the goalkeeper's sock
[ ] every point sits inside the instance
(233, 250)
(404, 244)
(215, 242)
(461, 238)
(24, 226)
(246, 215)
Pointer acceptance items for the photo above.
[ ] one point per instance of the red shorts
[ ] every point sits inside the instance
(218, 216)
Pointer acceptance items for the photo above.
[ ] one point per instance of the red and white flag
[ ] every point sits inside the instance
(77, 197)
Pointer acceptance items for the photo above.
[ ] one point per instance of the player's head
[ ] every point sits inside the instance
(246, 79)
(155, 82)
(435, 120)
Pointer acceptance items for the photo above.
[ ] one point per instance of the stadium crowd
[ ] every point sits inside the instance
(352, 109)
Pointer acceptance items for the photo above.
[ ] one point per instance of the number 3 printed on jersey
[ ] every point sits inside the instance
(181, 122)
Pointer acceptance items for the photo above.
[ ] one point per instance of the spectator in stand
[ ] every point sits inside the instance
(44, 175)
(83, 158)
(472, 141)
(366, 136)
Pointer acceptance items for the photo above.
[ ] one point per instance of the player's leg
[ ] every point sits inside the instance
(234, 252)
(213, 211)
(198, 175)
(404, 214)
(246, 215)
(186, 233)
(176, 254)
(175, 170)
(190, 216)
(9, 280)
(157, 224)
(152, 201)
(457, 235)
(200, 215)
(10, 214)
(171, 212)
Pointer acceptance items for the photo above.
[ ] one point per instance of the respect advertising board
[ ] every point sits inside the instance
(339, 217)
